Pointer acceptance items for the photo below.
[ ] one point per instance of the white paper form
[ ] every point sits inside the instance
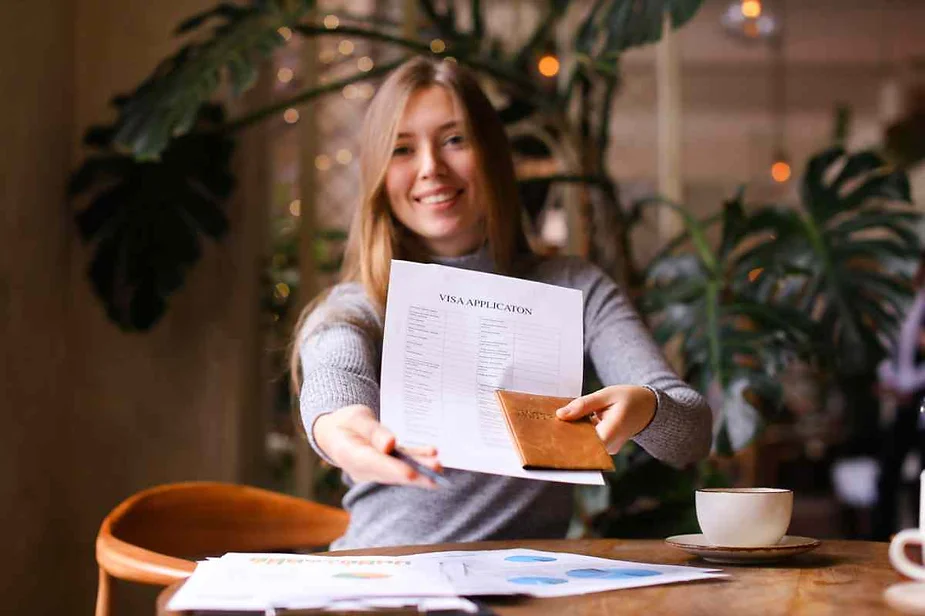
(291, 581)
(258, 581)
(540, 573)
(454, 336)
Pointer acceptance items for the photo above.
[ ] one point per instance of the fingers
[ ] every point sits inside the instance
(425, 455)
(360, 445)
(380, 437)
(622, 411)
(611, 430)
(369, 464)
(585, 405)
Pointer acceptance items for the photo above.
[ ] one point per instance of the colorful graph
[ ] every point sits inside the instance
(527, 558)
(536, 580)
(362, 575)
(610, 574)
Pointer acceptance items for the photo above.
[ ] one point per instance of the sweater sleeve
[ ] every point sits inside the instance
(340, 359)
(623, 352)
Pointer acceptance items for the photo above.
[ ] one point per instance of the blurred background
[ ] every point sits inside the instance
(171, 199)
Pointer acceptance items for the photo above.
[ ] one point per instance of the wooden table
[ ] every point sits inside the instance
(840, 577)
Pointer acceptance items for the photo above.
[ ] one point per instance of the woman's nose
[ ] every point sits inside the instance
(431, 163)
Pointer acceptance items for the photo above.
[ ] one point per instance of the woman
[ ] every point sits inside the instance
(438, 186)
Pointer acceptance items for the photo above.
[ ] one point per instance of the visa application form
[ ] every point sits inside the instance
(452, 337)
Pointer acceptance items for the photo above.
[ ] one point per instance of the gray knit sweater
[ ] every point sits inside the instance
(341, 361)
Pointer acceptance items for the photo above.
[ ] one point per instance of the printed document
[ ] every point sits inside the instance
(454, 336)
(430, 581)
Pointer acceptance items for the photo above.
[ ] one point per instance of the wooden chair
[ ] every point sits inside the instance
(148, 537)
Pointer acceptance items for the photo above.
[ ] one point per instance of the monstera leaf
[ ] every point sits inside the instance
(843, 258)
(166, 104)
(613, 26)
(145, 219)
(732, 345)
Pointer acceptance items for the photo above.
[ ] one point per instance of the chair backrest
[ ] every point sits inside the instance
(151, 536)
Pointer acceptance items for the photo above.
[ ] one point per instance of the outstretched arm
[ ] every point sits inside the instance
(623, 352)
(339, 403)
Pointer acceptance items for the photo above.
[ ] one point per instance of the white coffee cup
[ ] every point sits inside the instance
(910, 536)
(744, 517)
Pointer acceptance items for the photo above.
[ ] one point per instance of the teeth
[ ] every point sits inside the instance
(438, 197)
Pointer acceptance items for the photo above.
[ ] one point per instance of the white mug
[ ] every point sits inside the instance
(910, 536)
(743, 517)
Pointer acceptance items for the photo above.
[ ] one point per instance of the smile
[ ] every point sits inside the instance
(441, 197)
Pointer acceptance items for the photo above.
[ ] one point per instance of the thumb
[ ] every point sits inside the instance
(368, 428)
(584, 405)
(381, 438)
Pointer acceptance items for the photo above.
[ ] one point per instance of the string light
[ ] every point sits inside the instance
(366, 90)
(331, 22)
(284, 32)
(754, 274)
(291, 116)
(780, 171)
(437, 46)
(282, 290)
(548, 66)
(284, 74)
(365, 64)
(350, 91)
(751, 9)
(345, 47)
(327, 56)
(295, 208)
(322, 162)
(344, 156)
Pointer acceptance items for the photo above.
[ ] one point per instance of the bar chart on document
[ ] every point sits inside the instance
(452, 337)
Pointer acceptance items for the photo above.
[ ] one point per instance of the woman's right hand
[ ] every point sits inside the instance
(355, 440)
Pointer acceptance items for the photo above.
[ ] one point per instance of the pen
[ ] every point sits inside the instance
(431, 474)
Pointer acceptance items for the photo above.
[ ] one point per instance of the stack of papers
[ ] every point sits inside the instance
(438, 580)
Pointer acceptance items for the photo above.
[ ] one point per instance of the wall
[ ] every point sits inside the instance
(835, 52)
(36, 127)
(90, 414)
(179, 402)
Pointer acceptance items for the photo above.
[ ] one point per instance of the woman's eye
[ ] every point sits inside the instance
(401, 150)
(454, 140)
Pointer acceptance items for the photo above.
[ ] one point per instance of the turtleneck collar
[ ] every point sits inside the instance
(479, 260)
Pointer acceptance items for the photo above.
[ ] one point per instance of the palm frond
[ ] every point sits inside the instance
(167, 103)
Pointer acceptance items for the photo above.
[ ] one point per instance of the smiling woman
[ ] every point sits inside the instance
(438, 185)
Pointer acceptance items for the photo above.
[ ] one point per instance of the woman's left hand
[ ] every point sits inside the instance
(622, 412)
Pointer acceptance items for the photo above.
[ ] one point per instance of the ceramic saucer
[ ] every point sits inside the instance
(699, 546)
(908, 597)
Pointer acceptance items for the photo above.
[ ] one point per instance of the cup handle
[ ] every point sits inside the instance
(898, 553)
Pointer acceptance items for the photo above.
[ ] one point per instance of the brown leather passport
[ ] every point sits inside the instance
(546, 442)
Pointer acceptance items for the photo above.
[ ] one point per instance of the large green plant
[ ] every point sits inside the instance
(733, 345)
(228, 45)
(844, 257)
(146, 219)
(827, 280)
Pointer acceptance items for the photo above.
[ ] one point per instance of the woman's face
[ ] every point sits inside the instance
(431, 180)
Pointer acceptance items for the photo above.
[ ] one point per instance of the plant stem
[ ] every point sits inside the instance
(540, 99)
(712, 306)
(306, 96)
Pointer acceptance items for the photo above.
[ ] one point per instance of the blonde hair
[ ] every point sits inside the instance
(376, 236)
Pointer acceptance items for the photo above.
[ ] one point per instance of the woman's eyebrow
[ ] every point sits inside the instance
(442, 127)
